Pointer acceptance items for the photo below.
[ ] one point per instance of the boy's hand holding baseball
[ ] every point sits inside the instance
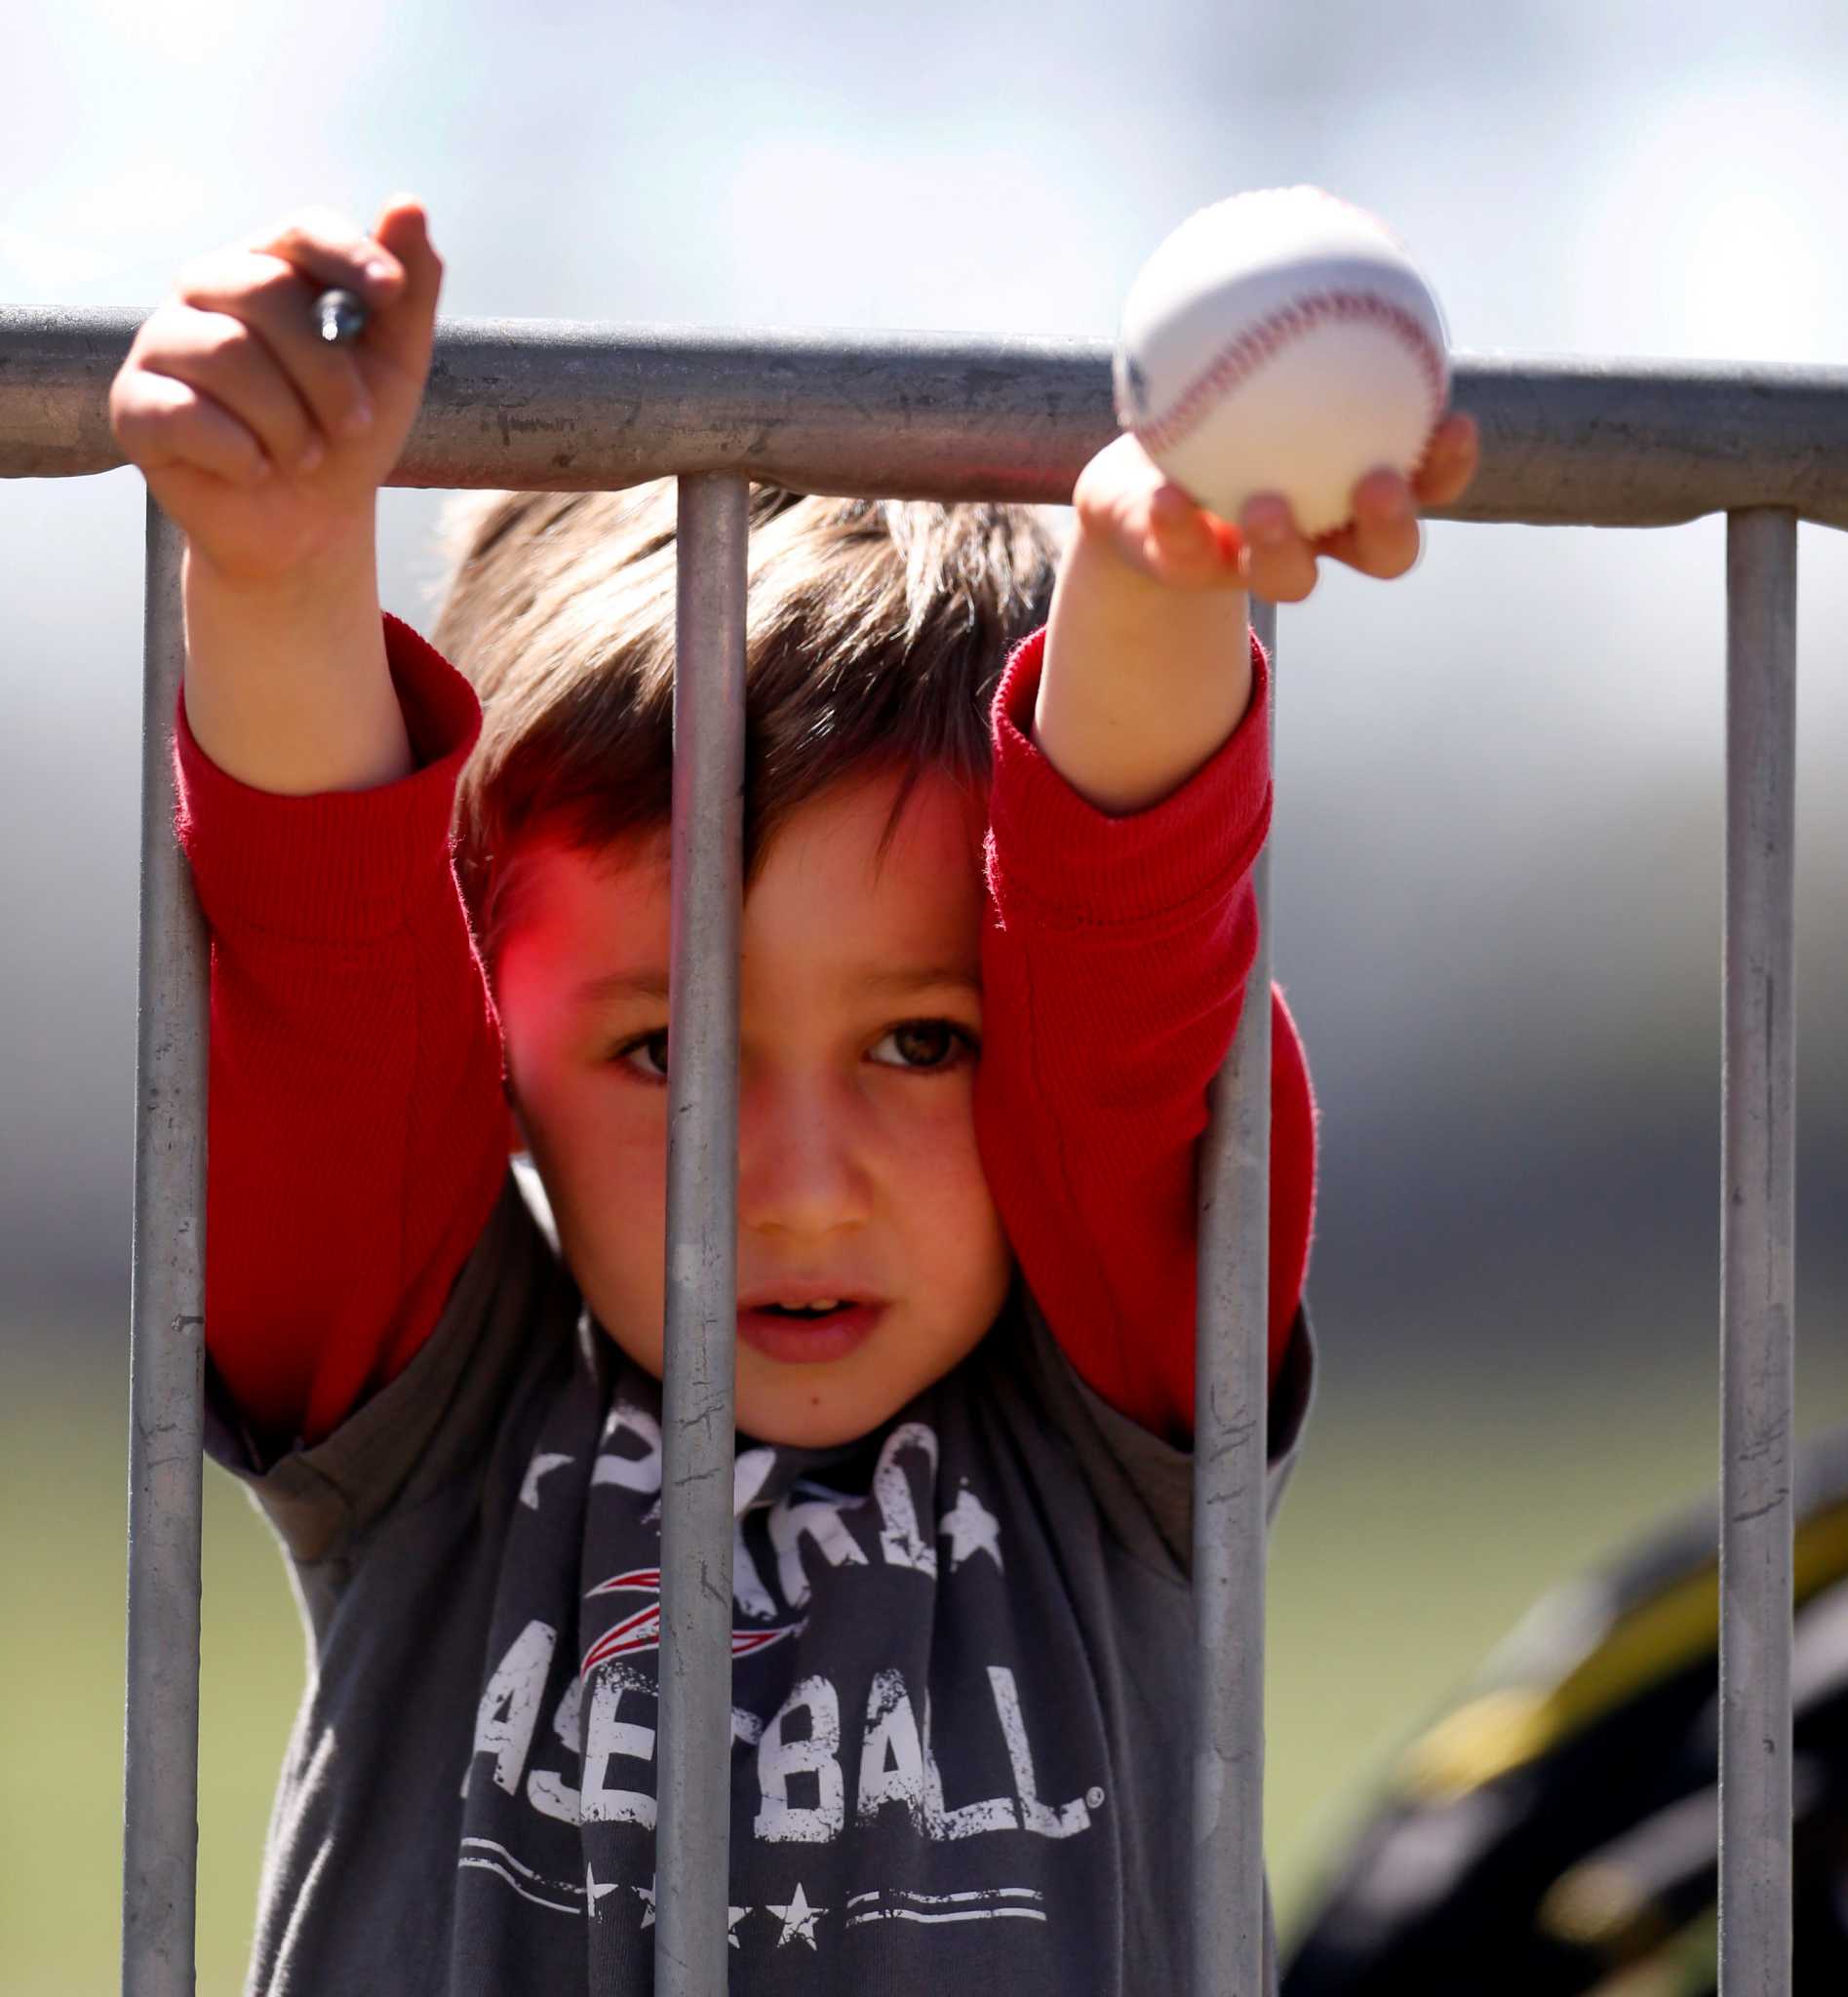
(268, 445)
(1144, 674)
(1153, 527)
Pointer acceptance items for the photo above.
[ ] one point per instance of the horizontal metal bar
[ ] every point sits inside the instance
(576, 407)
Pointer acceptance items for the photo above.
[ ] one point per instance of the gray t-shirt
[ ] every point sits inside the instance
(961, 1660)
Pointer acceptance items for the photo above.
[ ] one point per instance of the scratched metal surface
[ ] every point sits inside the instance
(573, 405)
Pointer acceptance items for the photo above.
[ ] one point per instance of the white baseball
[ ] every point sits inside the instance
(1282, 341)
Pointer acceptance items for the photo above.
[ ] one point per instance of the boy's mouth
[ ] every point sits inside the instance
(806, 1330)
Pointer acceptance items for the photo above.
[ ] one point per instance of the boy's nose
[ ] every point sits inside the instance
(802, 1168)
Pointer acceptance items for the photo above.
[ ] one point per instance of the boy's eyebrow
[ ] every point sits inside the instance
(921, 977)
(650, 982)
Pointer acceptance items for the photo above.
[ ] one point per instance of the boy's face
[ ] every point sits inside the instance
(858, 1178)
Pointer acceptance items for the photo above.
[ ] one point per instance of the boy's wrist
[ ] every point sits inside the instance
(1142, 681)
(286, 683)
(347, 558)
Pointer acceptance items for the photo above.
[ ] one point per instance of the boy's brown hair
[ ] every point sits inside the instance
(876, 633)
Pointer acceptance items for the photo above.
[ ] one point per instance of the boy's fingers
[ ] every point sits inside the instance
(1280, 565)
(395, 272)
(164, 423)
(1185, 544)
(330, 250)
(1154, 525)
(221, 356)
(404, 335)
(1382, 539)
(1115, 482)
(1450, 461)
(274, 299)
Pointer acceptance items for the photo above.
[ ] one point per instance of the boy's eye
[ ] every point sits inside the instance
(925, 1044)
(645, 1055)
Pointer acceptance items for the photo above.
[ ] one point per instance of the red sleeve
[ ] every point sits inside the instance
(355, 1130)
(1114, 963)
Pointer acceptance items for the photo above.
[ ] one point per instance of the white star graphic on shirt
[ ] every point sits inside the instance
(972, 1528)
(595, 1887)
(540, 1466)
(799, 1919)
(647, 1895)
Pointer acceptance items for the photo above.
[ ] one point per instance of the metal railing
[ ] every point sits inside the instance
(534, 404)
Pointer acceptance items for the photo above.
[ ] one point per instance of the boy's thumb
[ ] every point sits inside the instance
(405, 328)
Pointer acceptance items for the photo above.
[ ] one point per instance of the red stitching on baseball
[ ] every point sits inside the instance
(1237, 362)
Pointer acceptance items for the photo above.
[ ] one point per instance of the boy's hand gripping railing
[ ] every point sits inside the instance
(546, 404)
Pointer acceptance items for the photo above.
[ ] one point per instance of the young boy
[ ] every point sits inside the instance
(967, 1284)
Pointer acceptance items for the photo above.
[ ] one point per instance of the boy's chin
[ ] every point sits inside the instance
(810, 1415)
(805, 1407)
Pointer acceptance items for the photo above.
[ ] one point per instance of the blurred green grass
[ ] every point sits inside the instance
(1424, 1519)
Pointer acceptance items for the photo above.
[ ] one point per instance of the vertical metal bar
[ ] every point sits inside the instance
(694, 1838)
(167, 1344)
(1230, 1955)
(1757, 1254)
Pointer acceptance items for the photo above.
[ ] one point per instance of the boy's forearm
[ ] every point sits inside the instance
(286, 685)
(1142, 682)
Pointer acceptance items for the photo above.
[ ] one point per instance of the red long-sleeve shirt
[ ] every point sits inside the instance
(358, 1134)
